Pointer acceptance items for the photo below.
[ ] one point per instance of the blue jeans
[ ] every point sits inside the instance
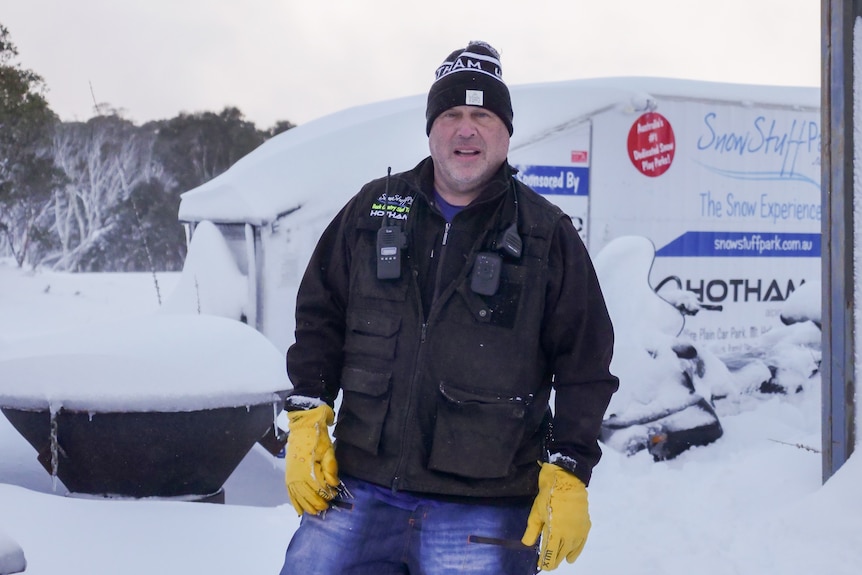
(372, 534)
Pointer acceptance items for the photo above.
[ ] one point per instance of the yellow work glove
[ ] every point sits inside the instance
(310, 472)
(561, 515)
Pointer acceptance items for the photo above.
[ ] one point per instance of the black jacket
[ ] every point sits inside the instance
(445, 390)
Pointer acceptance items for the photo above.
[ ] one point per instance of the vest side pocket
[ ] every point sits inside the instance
(363, 408)
(371, 334)
(476, 435)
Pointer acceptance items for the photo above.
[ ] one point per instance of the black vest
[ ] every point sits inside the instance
(447, 397)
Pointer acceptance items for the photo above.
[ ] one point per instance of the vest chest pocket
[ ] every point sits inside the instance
(363, 408)
(500, 309)
(476, 435)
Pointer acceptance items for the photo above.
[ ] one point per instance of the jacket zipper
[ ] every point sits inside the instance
(440, 261)
(422, 336)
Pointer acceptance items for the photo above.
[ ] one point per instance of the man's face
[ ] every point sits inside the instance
(468, 145)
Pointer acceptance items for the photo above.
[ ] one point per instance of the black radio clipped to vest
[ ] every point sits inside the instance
(485, 277)
(391, 240)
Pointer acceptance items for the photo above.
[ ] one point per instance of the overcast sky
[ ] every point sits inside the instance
(301, 59)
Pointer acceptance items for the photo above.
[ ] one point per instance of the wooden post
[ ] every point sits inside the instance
(838, 365)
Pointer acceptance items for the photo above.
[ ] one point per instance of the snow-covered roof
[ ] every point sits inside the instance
(358, 144)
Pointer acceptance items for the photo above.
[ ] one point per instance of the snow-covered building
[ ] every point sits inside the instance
(723, 179)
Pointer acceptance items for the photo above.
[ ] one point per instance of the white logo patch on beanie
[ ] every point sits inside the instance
(474, 98)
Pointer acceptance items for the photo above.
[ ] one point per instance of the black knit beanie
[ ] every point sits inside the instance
(470, 76)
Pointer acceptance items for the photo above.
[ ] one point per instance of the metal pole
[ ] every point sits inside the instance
(252, 278)
(838, 365)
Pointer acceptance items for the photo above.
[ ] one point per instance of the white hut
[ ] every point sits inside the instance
(714, 174)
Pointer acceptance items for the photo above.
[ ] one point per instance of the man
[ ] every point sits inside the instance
(444, 303)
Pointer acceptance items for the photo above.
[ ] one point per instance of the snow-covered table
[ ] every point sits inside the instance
(159, 406)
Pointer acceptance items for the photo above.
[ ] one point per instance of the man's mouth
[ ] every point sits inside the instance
(467, 153)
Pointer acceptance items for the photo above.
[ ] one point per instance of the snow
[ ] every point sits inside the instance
(751, 503)
(285, 172)
(158, 362)
(644, 327)
(12, 558)
(209, 263)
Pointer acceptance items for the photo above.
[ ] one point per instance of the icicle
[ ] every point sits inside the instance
(55, 446)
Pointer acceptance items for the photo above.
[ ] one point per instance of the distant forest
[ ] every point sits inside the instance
(103, 195)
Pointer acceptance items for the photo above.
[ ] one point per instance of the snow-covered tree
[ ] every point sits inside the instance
(104, 159)
(28, 177)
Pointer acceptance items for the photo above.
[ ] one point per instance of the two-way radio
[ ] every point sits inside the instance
(488, 267)
(391, 240)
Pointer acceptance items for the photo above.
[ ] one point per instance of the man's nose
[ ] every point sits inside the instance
(466, 127)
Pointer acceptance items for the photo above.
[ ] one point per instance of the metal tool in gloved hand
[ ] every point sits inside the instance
(311, 472)
(560, 514)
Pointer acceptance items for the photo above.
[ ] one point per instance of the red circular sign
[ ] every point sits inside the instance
(651, 144)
